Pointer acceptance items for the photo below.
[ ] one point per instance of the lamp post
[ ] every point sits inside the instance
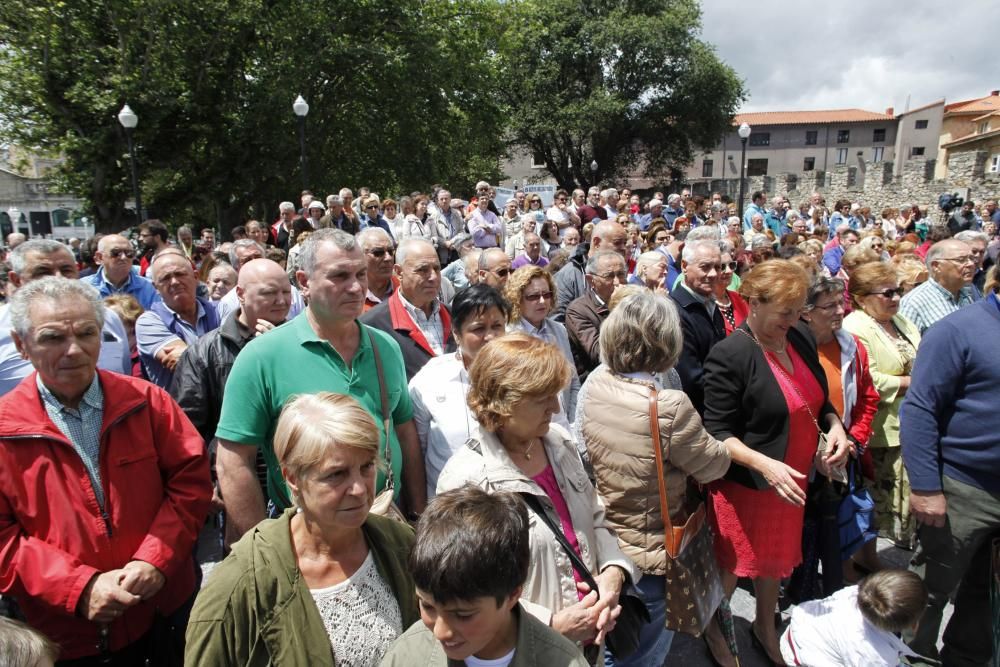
(129, 120)
(593, 172)
(301, 108)
(744, 133)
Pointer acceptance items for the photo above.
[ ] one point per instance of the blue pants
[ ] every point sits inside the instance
(655, 639)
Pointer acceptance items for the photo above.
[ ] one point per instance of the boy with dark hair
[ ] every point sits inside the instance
(469, 563)
(857, 625)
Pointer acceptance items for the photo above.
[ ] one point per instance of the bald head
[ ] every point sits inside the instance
(115, 254)
(264, 293)
(608, 235)
(257, 270)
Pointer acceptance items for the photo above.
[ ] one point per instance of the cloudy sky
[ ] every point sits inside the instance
(869, 54)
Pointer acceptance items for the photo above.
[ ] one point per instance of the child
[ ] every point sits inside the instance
(469, 563)
(21, 646)
(857, 626)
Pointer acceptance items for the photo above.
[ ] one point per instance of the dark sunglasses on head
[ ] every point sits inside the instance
(379, 253)
(889, 293)
(118, 252)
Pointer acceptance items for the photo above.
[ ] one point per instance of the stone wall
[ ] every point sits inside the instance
(873, 184)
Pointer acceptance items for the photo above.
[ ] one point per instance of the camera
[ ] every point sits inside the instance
(948, 202)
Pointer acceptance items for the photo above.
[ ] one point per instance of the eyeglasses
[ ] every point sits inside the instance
(965, 259)
(379, 253)
(610, 275)
(370, 207)
(536, 297)
(833, 306)
(560, 199)
(118, 252)
(889, 293)
(500, 273)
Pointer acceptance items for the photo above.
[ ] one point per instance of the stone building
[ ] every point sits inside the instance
(962, 121)
(29, 204)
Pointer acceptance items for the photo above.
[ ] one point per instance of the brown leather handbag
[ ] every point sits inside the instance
(385, 504)
(694, 587)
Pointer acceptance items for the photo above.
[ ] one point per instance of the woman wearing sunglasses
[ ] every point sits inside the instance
(891, 341)
(733, 307)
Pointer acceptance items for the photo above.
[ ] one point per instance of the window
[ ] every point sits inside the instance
(812, 137)
(877, 153)
(757, 167)
(841, 156)
(809, 164)
(706, 168)
(537, 160)
(760, 139)
(843, 136)
(920, 125)
(995, 164)
(916, 151)
(984, 127)
(878, 135)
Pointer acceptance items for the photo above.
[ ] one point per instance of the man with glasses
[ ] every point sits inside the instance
(380, 257)
(154, 237)
(950, 267)
(115, 276)
(570, 280)
(605, 271)
(494, 268)
(978, 241)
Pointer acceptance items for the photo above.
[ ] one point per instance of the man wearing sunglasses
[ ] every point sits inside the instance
(380, 257)
(115, 276)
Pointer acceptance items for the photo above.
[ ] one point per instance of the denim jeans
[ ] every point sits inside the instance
(655, 639)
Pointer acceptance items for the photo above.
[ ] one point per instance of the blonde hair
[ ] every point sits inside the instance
(648, 258)
(510, 370)
(856, 256)
(310, 424)
(909, 269)
(23, 646)
(518, 282)
(778, 281)
(621, 292)
(126, 307)
(642, 334)
(865, 278)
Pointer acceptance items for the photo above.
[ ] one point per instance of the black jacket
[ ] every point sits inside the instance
(390, 317)
(701, 333)
(584, 318)
(744, 400)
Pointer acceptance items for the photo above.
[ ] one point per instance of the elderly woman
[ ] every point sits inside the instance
(910, 272)
(891, 341)
(438, 391)
(733, 307)
(511, 218)
(766, 397)
(531, 292)
(515, 386)
(875, 243)
(845, 362)
(422, 225)
(641, 339)
(326, 572)
(650, 269)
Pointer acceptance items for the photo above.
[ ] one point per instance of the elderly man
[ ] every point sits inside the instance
(413, 316)
(221, 280)
(977, 242)
(775, 218)
(449, 222)
(185, 242)
(341, 355)
(281, 230)
(515, 242)
(37, 259)
(494, 268)
(655, 211)
(334, 216)
(674, 209)
(950, 268)
(115, 276)
(756, 205)
(154, 237)
(471, 263)
(532, 255)
(756, 227)
(570, 280)
(701, 321)
(610, 197)
(15, 239)
(948, 432)
(846, 237)
(242, 252)
(165, 331)
(606, 270)
(592, 210)
(105, 490)
(380, 256)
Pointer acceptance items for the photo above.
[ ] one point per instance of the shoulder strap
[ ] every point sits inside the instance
(536, 506)
(384, 399)
(661, 480)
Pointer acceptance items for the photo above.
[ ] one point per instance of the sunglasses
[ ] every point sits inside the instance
(501, 273)
(379, 253)
(369, 208)
(610, 275)
(889, 293)
(118, 252)
(540, 295)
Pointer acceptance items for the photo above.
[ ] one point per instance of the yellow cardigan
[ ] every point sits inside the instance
(886, 366)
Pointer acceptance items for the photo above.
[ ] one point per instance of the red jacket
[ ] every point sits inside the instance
(53, 535)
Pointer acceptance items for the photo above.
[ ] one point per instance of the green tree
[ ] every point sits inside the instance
(625, 83)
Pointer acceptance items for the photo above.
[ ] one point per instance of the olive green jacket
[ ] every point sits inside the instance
(256, 609)
(537, 646)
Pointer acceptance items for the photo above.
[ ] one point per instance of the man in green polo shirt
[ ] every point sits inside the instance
(325, 348)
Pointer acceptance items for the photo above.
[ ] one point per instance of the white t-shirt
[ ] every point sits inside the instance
(473, 661)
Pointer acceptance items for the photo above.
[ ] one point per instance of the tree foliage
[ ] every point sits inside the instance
(400, 93)
(625, 83)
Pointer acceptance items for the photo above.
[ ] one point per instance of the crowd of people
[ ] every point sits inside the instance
(544, 393)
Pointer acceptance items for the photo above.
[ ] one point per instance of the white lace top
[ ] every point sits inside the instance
(361, 616)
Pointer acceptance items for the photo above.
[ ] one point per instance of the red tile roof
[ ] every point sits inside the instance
(831, 116)
(980, 106)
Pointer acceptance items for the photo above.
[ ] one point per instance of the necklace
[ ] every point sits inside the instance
(527, 452)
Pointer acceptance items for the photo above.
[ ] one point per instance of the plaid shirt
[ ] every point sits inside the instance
(82, 427)
(929, 302)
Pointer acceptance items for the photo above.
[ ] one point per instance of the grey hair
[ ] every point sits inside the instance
(594, 260)
(23, 645)
(471, 262)
(243, 243)
(648, 259)
(793, 215)
(408, 245)
(370, 234)
(340, 238)
(822, 286)
(56, 288)
(608, 191)
(933, 255)
(673, 197)
(286, 206)
(703, 233)
(347, 191)
(593, 190)
(691, 249)
(334, 200)
(732, 219)
(18, 256)
(642, 334)
(726, 248)
(971, 235)
(184, 228)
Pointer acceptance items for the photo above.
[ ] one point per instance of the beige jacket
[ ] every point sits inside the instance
(550, 587)
(616, 432)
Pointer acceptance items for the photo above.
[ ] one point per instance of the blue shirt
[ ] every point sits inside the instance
(748, 214)
(137, 286)
(152, 334)
(81, 426)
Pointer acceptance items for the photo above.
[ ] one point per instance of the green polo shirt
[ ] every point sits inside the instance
(293, 360)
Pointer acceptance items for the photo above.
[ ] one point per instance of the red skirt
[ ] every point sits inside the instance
(757, 534)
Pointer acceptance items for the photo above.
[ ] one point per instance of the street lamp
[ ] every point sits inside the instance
(301, 108)
(593, 172)
(744, 133)
(129, 120)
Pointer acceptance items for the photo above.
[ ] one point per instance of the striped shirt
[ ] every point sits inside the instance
(928, 303)
(431, 327)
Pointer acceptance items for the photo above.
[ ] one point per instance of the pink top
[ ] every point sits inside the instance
(547, 480)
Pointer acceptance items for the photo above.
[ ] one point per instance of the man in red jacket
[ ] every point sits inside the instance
(104, 486)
